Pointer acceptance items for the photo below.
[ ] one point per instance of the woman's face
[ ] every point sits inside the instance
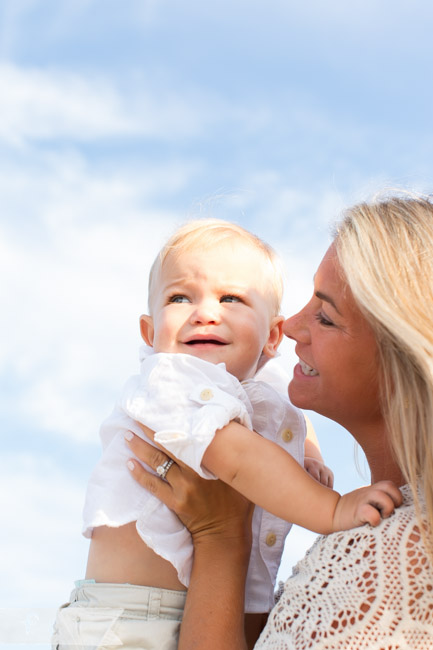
(337, 373)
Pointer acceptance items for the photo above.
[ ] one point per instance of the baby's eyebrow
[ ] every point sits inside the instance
(175, 284)
(325, 298)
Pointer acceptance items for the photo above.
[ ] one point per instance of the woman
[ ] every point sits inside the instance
(365, 344)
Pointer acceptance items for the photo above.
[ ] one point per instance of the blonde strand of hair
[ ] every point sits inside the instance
(386, 252)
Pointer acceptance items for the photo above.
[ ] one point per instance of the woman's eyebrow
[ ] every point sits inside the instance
(325, 298)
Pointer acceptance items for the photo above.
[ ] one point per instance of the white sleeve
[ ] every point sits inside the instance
(185, 400)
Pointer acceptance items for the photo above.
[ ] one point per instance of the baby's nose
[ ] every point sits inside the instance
(207, 311)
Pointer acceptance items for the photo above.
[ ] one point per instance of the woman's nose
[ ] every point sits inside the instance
(295, 327)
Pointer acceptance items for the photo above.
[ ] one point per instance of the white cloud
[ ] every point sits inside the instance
(348, 21)
(41, 104)
(55, 103)
(41, 524)
(41, 520)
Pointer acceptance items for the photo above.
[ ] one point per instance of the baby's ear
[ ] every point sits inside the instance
(146, 329)
(275, 336)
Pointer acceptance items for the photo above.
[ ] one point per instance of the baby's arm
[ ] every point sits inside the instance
(313, 461)
(271, 478)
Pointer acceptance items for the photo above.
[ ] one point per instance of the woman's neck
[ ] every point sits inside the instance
(376, 446)
(385, 469)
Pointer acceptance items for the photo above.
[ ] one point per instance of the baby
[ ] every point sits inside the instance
(214, 324)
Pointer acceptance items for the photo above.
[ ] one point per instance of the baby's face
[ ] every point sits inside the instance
(215, 304)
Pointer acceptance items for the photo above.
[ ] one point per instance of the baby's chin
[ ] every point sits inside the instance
(216, 355)
(207, 352)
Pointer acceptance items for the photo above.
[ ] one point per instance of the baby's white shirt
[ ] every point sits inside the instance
(185, 400)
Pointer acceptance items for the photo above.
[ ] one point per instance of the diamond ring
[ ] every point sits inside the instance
(162, 470)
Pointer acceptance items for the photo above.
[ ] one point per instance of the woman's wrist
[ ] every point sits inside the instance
(231, 547)
(229, 539)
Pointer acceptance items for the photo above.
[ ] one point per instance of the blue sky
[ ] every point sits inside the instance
(120, 120)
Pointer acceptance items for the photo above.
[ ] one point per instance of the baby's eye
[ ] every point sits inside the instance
(230, 298)
(178, 298)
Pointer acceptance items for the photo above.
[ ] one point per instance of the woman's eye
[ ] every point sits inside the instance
(323, 320)
(230, 298)
(178, 298)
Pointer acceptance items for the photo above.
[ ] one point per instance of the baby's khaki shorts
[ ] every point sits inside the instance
(107, 616)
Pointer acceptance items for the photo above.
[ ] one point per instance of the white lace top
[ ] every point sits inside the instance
(361, 589)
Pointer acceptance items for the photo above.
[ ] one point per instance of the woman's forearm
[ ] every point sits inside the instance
(214, 609)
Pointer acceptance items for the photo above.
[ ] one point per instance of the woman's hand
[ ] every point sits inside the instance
(205, 507)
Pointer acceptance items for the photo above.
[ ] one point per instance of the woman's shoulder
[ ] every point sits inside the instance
(397, 537)
(362, 587)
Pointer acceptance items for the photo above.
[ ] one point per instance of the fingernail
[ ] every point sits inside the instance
(128, 435)
(130, 465)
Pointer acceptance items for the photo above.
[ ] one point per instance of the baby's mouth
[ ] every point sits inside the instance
(209, 341)
(307, 370)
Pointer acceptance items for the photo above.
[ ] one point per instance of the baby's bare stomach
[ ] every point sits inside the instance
(119, 555)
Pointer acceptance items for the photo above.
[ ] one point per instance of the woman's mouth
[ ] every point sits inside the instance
(307, 370)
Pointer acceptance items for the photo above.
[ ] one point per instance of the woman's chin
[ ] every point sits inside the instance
(302, 389)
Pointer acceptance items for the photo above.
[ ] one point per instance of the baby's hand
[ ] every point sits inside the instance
(318, 470)
(367, 505)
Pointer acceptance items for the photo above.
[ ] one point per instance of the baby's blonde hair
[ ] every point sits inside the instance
(202, 234)
(385, 249)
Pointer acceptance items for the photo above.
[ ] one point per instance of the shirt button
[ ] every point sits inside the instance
(271, 538)
(206, 394)
(287, 435)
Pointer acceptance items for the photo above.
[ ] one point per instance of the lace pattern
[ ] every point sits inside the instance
(362, 589)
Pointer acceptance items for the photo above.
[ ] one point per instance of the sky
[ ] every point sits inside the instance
(118, 122)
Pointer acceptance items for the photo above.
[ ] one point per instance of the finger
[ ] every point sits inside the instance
(312, 468)
(149, 454)
(153, 484)
(144, 450)
(314, 472)
(369, 514)
(391, 490)
(329, 479)
(380, 506)
(150, 433)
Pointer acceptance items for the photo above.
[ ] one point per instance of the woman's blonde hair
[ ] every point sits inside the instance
(385, 249)
(202, 234)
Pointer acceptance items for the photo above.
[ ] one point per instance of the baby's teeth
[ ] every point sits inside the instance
(306, 369)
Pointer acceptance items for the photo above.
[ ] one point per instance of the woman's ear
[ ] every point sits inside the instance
(275, 336)
(146, 329)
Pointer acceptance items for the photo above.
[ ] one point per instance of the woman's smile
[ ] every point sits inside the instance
(306, 369)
